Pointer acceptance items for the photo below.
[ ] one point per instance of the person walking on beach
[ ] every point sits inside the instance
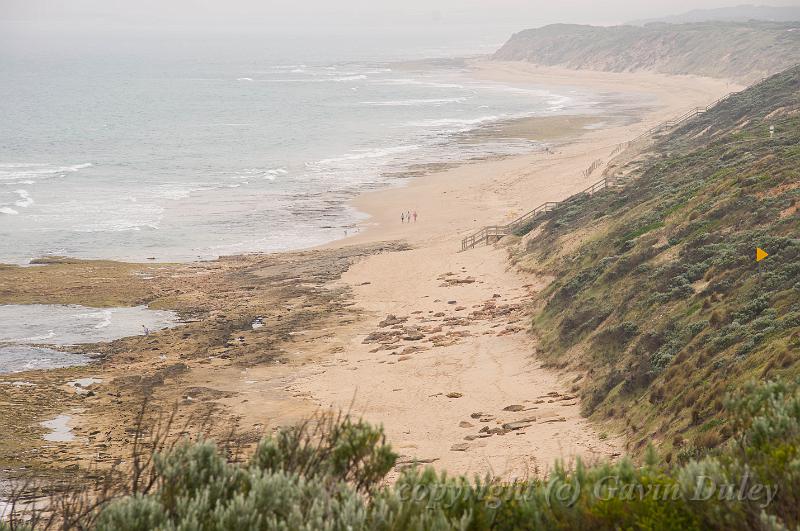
(402, 217)
(415, 216)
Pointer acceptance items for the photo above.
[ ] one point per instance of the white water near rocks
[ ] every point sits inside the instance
(50, 324)
(173, 158)
(28, 333)
(20, 358)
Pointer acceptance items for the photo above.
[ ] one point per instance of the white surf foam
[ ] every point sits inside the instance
(31, 170)
(122, 226)
(461, 122)
(103, 318)
(178, 191)
(25, 200)
(367, 154)
(274, 173)
(350, 78)
(259, 173)
(417, 82)
(286, 67)
(558, 103)
(104, 215)
(414, 102)
(35, 339)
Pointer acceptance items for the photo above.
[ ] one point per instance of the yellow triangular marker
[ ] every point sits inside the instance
(761, 254)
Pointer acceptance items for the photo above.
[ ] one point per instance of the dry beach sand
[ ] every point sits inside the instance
(490, 368)
(452, 376)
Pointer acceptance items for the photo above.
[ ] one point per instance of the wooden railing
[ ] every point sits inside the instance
(688, 115)
(591, 169)
(493, 233)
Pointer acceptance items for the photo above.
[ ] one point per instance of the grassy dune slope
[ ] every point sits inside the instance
(657, 296)
(746, 51)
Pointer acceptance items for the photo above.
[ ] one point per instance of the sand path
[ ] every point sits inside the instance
(494, 366)
(486, 372)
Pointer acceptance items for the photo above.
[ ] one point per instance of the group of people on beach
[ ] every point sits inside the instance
(406, 217)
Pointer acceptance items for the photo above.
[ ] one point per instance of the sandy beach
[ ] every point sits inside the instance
(490, 368)
(430, 342)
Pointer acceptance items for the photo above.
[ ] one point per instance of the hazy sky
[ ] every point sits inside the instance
(434, 27)
(293, 14)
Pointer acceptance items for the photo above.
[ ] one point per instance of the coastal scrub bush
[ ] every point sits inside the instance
(675, 255)
(751, 482)
(332, 447)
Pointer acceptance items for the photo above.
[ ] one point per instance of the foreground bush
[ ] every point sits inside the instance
(330, 475)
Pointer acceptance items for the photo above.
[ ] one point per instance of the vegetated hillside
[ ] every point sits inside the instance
(743, 51)
(741, 13)
(657, 296)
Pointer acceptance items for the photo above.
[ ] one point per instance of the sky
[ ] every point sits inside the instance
(298, 14)
(57, 23)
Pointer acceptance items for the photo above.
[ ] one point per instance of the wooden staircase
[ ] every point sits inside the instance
(688, 115)
(493, 233)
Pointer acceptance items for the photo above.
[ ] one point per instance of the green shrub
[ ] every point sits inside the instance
(198, 489)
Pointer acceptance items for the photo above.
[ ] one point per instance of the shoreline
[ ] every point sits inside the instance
(675, 94)
(468, 308)
(491, 369)
(427, 124)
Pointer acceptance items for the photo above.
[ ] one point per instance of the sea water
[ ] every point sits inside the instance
(177, 154)
(28, 332)
(20, 358)
(69, 324)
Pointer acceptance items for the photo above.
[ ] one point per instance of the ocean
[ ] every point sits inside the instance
(28, 330)
(193, 152)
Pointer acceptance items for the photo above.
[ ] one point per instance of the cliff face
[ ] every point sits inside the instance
(742, 51)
